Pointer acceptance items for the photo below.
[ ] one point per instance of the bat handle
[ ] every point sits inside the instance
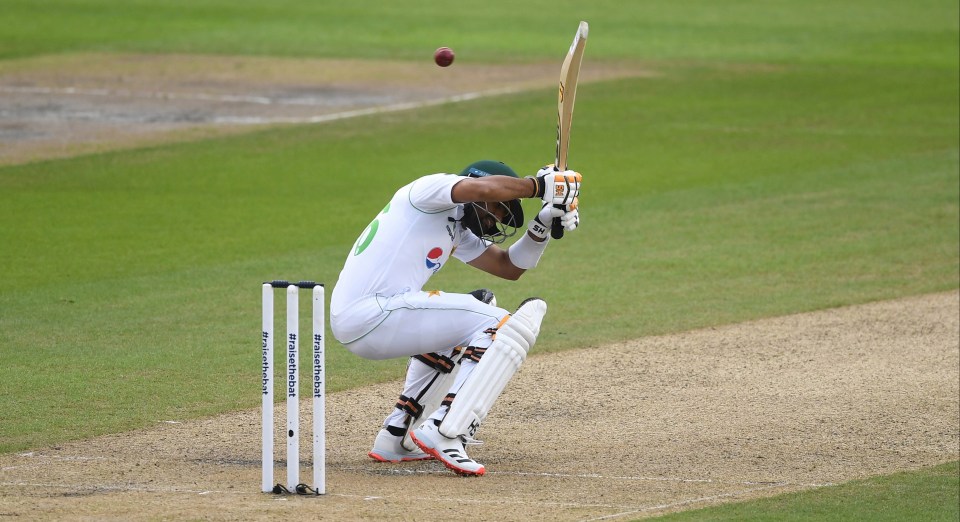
(556, 231)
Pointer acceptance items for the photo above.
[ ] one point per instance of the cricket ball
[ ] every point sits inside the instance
(443, 56)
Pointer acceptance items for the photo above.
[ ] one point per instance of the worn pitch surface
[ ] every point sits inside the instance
(611, 432)
(59, 106)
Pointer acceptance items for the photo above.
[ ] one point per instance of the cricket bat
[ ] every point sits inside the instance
(567, 95)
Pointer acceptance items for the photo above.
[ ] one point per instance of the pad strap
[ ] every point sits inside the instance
(410, 406)
(438, 362)
(473, 353)
(448, 400)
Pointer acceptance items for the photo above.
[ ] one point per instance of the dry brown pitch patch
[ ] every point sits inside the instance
(64, 105)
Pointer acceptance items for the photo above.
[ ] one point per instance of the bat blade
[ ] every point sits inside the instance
(566, 97)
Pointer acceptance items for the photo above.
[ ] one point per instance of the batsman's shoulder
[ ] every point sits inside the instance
(432, 193)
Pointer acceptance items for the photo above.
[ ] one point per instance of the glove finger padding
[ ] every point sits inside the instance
(560, 210)
(570, 220)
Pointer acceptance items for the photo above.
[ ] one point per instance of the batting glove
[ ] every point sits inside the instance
(540, 225)
(570, 220)
(557, 188)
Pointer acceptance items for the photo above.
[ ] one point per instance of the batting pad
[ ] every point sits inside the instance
(501, 361)
(430, 400)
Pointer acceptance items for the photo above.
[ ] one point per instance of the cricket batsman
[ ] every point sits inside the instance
(463, 348)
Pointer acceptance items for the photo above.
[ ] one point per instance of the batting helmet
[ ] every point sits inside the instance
(473, 211)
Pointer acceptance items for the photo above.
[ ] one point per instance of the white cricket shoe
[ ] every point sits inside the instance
(387, 447)
(448, 451)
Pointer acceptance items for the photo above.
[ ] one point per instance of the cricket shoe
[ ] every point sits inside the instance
(387, 447)
(448, 451)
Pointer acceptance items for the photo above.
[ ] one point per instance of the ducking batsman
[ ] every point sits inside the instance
(463, 348)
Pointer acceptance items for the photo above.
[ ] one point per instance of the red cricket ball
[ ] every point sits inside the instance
(443, 56)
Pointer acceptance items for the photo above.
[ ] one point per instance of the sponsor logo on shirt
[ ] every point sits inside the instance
(433, 258)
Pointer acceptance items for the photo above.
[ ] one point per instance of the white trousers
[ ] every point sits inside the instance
(413, 323)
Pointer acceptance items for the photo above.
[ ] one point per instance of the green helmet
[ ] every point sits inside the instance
(473, 211)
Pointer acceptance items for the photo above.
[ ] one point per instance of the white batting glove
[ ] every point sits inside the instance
(540, 224)
(570, 220)
(557, 188)
(547, 169)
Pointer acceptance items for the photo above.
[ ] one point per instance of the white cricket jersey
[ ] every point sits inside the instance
(409, 241)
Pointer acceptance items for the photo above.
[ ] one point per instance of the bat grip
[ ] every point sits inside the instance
(556, 231)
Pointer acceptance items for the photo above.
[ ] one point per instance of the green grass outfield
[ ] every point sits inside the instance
(787, 157)
(930, 495)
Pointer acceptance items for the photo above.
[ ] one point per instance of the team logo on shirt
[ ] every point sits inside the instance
(433, 258)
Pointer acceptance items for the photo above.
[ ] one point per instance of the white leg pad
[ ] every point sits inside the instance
(500, 362)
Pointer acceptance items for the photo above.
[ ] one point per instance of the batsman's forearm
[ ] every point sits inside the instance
(493, 188)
